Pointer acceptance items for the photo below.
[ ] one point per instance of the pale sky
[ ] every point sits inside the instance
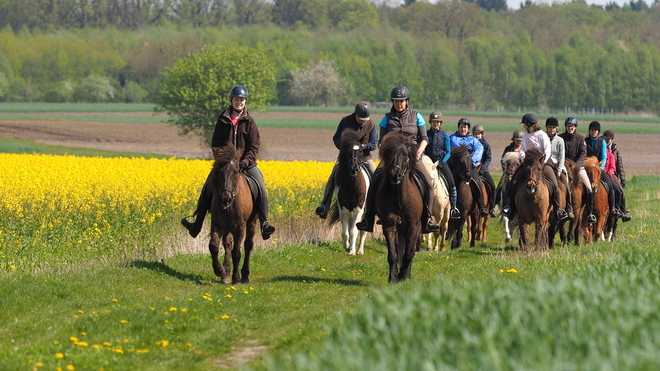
(515, 4)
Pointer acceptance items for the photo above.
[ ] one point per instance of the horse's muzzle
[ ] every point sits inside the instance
(226, 198)
(531, 186)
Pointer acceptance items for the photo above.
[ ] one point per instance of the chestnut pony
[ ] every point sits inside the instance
(399, 204)
(233, 215)
(533, 199)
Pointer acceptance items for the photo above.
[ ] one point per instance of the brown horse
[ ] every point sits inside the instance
(557, 225)
(601, 201)
(351, 185)
(579, 199)
(399, 204)
(460, 163)
(233, 215)
(482, 221)
(510, 162)
(533, 201)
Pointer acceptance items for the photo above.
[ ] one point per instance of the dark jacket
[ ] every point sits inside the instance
(619, 172)
(439, 147)
(244, 136)
(368, 135)
(576, 148)
(487, 157)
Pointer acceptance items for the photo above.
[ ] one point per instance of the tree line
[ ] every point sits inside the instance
(450, 54)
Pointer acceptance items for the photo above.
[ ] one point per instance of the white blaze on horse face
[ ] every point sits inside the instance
(356, 147)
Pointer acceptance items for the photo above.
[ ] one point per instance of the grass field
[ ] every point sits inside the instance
(146, 298)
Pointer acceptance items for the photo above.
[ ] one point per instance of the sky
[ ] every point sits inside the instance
(515, 4)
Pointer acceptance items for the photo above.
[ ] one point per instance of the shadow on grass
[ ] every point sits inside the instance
(161, 267)
(310, 279)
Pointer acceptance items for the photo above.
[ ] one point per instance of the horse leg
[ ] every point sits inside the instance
(361, 235)
(507, 230)
(474, 229)
(228, 243)
(410, 246)
(214, 247)
(345, 217)
(249, 244)
(523, 233)
(457, 233)
(541, 235)
(391, 237)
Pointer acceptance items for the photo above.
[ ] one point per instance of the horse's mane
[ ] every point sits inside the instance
(460, 150)
(532, 156)
(391, 145)
(223, 155)
(349, 138)
(591, 162)
(510, 156)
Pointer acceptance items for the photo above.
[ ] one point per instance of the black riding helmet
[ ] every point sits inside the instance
(571, 120)
(551, 121)
(464, 120)
(529, 118)
(594, 125)
(238, 91)
(400, 92)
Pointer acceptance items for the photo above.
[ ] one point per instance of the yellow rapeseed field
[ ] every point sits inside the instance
(61, 208)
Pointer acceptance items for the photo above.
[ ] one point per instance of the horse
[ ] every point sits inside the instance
(233, 215)
(511, 161)
(441, 206)
(351, 185)
(601, 201)
(399, 204)
(482, 221)
(460, 163)
(557, 225)
(533, 200)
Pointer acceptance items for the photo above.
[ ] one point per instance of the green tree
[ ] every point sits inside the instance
(194, 90)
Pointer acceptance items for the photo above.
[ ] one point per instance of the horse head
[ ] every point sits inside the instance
(397, 154)
(510, 163)
(351, 152)
(533, 165)
(224, 177)
(592, 167)
(460, 162)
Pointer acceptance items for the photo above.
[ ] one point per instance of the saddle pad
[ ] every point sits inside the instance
(254, 187)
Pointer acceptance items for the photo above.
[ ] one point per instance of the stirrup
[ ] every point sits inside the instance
(322, 212)
(455, 213)
(506, 210)
(430, 226)
(591, 219)
(364, 226)
(562, 214)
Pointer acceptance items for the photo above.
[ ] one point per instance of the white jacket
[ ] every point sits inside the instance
(538, 139)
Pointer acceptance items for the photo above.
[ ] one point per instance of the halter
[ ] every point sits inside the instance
(354, 162)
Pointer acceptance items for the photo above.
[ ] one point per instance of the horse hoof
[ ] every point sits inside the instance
(352, 253)
(226, 280)
(507, 240)
(245, 280)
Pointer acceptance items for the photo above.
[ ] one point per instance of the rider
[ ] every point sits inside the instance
(576, 150)
(610, 169)
(236, 126)
(460, 137)
(438, 150)
(557, 156)
(478, 132)
(360, 121)
(597, 147)
(402, 119)
(537, 138)
(514, 146)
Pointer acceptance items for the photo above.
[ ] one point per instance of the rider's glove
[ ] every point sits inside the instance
(623, 183)
(243, 165)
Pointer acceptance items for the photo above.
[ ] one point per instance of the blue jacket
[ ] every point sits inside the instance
(439, 147)
(475, 147)
(597, 147)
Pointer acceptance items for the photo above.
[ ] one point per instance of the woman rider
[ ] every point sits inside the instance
(438, 149)
(597, 147)
(236, 126)
(537, 138)
(401, 119)
(462, 137)
(557, 156)
(484, 173)
(576, 150)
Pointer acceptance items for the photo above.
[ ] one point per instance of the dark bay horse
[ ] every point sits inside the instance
(564, 196)
(460, 163)
(233, 216)
(399, 204)
(510, 163)
(533, 200)
(351, 185)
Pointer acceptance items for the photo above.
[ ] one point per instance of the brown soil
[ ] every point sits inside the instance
(277, 144)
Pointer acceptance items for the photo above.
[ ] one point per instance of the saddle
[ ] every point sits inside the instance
(605, 186)
(254, 187)
(420, 184)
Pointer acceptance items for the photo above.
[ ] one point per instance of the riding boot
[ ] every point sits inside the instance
(367, 224)
(561, 213)
(428, 223)
(203, 206)
(611, 198)
(591, 218)
(322, 211)
(453, 198)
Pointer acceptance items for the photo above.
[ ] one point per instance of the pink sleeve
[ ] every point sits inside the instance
(610, 165)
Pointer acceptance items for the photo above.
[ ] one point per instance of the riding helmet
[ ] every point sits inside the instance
(571, 121)
(400, 92)
(435, 116)
(594, 125)
(238, 91)
(464, 120)
(517, 135)
(477, 129)
(529, 118)
(551, 121)
(363, 110)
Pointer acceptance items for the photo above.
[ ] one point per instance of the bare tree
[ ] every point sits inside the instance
(318, 84)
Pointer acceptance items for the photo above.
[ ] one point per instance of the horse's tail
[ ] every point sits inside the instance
(333, 214)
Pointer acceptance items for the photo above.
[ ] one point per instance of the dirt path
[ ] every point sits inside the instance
(277, 144)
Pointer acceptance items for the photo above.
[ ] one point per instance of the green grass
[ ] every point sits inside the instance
(314, 307)
(21, 146)
(75, 107)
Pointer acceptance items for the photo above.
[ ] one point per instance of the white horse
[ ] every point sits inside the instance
(441, 206)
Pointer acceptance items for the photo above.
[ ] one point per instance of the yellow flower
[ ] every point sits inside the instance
(512, 270)
(59, 355)
(225, 317)
(70, 367)
(124, 321)
(164, 343)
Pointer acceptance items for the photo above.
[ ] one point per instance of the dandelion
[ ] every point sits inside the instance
(70, 367)
(124, 321)
(228, 296)
(225, 317)
(59, 355)
(73, 339)
(163, 343)
(172, 309)
(512, 270)
(114, 300)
